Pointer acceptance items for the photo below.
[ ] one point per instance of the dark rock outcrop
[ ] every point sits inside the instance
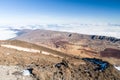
(109, 52)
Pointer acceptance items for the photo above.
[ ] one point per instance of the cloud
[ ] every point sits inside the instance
(7, 32)
(90, 29)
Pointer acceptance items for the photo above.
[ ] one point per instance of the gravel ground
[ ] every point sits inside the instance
(12, 73)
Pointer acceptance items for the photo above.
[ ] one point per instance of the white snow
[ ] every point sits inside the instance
(7, 73)
(7, 53)
(117, 67)
(21, 48)
(46, 53)
(28, 50)
(26, 72)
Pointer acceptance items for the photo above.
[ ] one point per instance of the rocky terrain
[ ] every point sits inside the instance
(24, 61)
(52, 55)
(72, 43)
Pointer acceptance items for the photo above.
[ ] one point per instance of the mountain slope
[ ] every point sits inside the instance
(47, 67)
(72, 43)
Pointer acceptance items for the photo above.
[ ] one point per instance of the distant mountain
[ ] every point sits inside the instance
(112, 30)
(71, 43)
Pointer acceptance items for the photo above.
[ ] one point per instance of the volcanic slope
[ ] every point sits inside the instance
(74, 43)
(17, 56)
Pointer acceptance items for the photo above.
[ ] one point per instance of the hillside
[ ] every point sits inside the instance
(72, 43)
(18, 57)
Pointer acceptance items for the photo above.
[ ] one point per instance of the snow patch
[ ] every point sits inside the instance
(21, 48)
(26, 72)
(12, 73)
(46, 53)
(117, 67)
(28, 50)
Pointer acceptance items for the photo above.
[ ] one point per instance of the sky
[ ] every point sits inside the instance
(59, 11)
(93, 17)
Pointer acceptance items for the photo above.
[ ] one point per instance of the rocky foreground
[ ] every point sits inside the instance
(18, 63)
(63, 70)
(69, 71)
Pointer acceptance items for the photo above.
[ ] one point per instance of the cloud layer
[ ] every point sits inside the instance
(7, 32)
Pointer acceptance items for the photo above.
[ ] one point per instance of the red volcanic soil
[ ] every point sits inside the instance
(109, 52)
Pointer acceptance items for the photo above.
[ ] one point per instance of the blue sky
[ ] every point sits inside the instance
(59, 11)
(100, 17)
